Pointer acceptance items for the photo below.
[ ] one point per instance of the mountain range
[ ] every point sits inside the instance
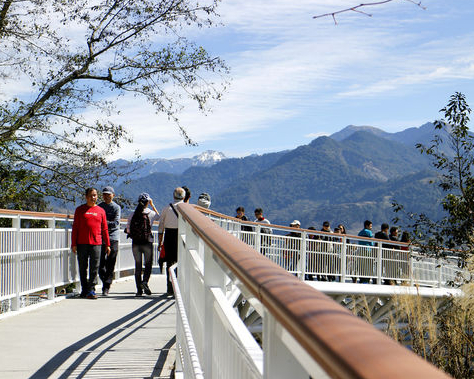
(352, 175)
(171, 166)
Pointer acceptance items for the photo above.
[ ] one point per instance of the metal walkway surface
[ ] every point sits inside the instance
(119, 336)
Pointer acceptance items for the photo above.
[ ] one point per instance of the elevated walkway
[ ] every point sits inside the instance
(119, 336)
(237, 314)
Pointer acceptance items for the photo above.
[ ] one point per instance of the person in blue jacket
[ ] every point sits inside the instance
(364, 259)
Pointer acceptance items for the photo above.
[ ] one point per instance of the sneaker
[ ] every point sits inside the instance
(139, 294)
(105, 292)
(146, 289)
(92, 295)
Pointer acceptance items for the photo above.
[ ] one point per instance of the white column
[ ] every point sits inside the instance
(440, 272)
(16, 224)
(302, 270)
(379, 263)
(278, 360)
(343, 260)
(213, 277)
(52, 286)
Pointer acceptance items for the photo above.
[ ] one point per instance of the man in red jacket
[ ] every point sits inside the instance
(89, 232)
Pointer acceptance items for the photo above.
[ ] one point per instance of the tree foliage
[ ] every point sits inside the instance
(455, 179)
(62, 61)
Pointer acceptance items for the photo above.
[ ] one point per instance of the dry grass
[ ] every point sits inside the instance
(439, 331)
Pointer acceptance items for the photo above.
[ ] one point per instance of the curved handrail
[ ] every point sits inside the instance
(342, 344)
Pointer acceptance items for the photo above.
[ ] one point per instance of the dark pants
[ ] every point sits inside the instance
(171, 254)
(88, 257)
(107, 264)
(145, 250)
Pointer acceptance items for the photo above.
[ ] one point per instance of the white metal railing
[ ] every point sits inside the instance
(224, 288)
(315, 255)
(37, 260)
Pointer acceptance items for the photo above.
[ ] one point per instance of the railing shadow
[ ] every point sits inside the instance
(130, 323)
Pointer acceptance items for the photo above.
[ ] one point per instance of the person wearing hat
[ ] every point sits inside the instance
(168, 234)
(139, 229)
(204, 200)
(107, 261)
(293, 244)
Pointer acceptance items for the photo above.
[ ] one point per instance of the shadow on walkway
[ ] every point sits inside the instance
(92, 348)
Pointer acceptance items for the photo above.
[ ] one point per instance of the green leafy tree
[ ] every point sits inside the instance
(68, 57)
(18, 189)
(455, 178)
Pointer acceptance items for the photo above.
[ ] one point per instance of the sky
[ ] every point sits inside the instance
(294, 78)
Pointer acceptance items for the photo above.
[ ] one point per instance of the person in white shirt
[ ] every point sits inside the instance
(168, 234)
(265, 240)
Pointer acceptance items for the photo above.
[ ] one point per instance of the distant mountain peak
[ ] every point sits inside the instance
(208, 158)
(351, 129)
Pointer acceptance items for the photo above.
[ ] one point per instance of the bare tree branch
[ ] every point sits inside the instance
(363, 5)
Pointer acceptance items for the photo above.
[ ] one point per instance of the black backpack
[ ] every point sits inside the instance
(140, 228)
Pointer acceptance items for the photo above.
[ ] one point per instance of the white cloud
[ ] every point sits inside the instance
(293, 61)
(285, 63)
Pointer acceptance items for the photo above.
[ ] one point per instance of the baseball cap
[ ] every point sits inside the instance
(144, 198)
(204, 200)
(108, 190)
(295, 222)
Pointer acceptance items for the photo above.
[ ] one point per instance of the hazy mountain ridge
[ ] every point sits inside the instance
(347, 180)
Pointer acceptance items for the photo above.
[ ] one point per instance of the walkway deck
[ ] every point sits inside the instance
(119, 336)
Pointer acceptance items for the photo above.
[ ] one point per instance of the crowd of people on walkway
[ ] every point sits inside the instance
(325, 255)
(96, 234)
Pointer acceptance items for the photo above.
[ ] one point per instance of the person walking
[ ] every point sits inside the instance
(168, 234)
(139, 229)
(89, 233)
(107, 261)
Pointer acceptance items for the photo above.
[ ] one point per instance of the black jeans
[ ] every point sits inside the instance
(145, 250)
(88, 257)
(171, 254)
(107, 264)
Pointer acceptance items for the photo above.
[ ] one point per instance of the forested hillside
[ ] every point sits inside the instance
(346, 181)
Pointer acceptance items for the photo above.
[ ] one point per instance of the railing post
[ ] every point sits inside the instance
(440, 272)
(16, 224)
(213, 277)
(343, 260)
(379, 263)
(302, 270)
(411, 268)
(52, 226)
(278, 360)
(117, 269)
(258, 241)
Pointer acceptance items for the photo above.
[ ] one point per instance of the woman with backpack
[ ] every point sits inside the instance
(139, 230)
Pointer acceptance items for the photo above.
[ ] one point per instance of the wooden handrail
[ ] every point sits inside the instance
(343, 345)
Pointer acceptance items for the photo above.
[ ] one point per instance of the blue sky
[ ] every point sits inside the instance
(294, 78)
